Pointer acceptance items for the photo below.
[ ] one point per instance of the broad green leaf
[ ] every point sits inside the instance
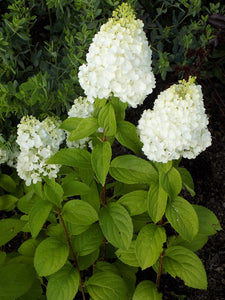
(73, 157)
(70, 124)
(119, 108)
(7, 183)
(92, 197)
(9, 229)
(73, 188)
(197, 243)
(56, 231)
(26, 202)
(128, 256)
(157, 201)
(28, 247)
(135, 202)
(107, 119)
(53, 192)
(146, 290)
(140, 221)
(63, 285)
(16, 279)
(2, 258)
(149, 244)
(183, 218)
(34, 293)
(100, 159)
(84, 262)
(127, 136)
(75, 229)
(116, 225)
(122, 188)
(107, 286)
(50, 256)
(171, 182)
(38, 216)
(208, 222)
(181, 262)
(88, 241)
(131, 169)
(7, 202)
(104, 266)
(79, 212)
(187, 180)
(85, 128)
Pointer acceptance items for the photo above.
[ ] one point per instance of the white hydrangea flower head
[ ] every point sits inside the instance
(38, 141)
(80, 109)
(119, 61)
(177, 125)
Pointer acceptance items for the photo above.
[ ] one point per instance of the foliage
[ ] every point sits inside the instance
(183, 38)
(81, 222)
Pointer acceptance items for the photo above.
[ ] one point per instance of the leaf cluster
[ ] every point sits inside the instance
(104, 218)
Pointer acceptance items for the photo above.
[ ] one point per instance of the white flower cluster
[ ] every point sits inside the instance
(38, 141)
(177, 125)
(8, 151)
(80, 109)
(119, 61)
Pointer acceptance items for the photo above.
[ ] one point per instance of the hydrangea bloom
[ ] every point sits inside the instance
(177, 125)
(8, 151)
(38, 141)
(119, 61)
(80, 109)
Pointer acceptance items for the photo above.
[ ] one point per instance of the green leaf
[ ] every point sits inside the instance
(9, 229)
(75, 229)
(135, 202)
(131, 169)
(50, 256)
(140, 221)
(92, 197)
(107, 286)
(70, 124)
(171, 182)
(187, 180)
(88, 241)
(197, 243)
(2, 258)
(28, 247)
(26, 202)
(34, 293)
(73, 188)
(183, 218)
(157, 201)
(84, 262)
(116, 225)
(146, 290)
(73, 157)
(85, 128)
(127, 136)
(16, 278)
(107, 119)
(7, 202)
(38, 216)
(208, 222)
(149, 244)
(100, 159)
(119, 108)
(63, 285)
(181, 262)
(7, 183)
(79, 212)
(53, 192)
(128, 256)
(104, 266)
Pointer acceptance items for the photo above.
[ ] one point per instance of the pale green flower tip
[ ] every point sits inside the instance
(124, 15)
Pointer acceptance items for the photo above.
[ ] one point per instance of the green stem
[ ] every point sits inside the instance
(72, 252)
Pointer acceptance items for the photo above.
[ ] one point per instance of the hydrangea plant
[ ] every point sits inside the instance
(88, 231)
